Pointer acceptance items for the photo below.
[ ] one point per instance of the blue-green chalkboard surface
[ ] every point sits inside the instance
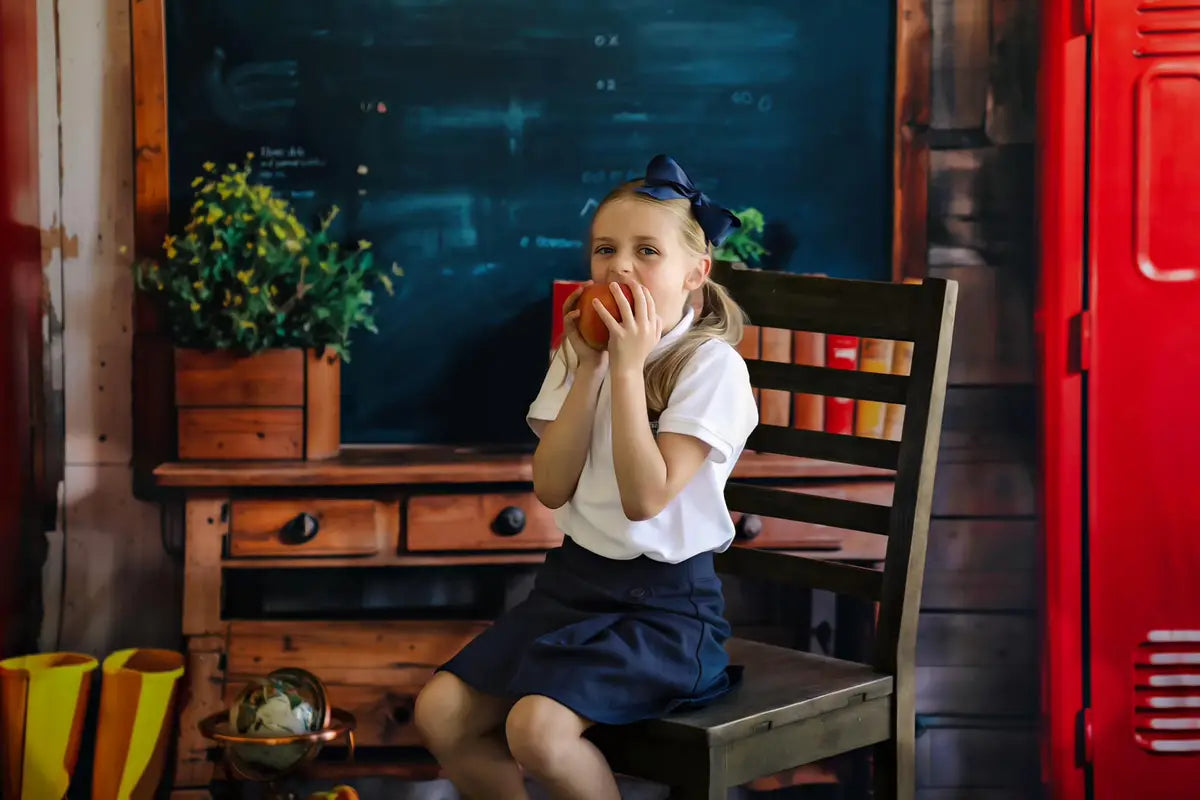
(469, 140)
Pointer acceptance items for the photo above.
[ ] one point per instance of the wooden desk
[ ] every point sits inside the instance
(387, 509)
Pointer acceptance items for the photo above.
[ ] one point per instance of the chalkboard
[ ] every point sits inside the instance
(469, 140)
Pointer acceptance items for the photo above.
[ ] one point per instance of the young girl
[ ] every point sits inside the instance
(635, 445)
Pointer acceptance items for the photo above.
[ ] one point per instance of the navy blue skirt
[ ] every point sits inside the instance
(614, 641)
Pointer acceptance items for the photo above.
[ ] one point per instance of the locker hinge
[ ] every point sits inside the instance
(1080, 338)
(1083, 737)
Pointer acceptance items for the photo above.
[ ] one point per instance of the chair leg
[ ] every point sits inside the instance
(895, 769)
(710, 784)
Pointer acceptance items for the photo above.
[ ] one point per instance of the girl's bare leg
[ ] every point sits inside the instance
(546, 738)
(464, 729)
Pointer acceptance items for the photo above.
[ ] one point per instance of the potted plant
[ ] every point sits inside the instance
(743, 245)
(260, 309)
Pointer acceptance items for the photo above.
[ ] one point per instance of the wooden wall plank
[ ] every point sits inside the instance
(976, 564)
(978, 757)
(1012, 89)
(121, 588)
(910, 159)
(993, 331)
(967, 793)
(977, 640)
(97, 204)
(960, 62)
(992, 190)
(1000, 691)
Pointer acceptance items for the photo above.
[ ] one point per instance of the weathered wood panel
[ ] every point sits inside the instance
(961, 39)
(981, 565)
(1012, 90)
(989, 193)
(993, 332)
(979, 757)
(1007, 641)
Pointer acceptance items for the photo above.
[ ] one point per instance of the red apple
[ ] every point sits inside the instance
(592, 329)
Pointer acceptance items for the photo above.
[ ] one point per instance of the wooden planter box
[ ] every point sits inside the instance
(273, 405)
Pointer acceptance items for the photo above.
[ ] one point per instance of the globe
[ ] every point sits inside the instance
(284, 703)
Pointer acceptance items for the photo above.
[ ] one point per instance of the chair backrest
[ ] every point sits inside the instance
(921, 313)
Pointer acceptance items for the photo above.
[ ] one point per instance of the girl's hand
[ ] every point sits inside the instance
(586, 357)
(631, 340)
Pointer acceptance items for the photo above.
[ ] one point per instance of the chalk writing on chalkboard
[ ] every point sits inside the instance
(471, 141)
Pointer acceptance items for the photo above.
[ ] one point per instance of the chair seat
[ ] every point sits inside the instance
(779, 686)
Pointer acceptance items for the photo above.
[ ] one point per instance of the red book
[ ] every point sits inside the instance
(841, 352)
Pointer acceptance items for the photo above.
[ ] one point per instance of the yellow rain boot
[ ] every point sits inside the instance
(43, 703)
(137, 698)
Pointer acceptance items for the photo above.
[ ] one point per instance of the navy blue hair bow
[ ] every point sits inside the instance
(666, 180)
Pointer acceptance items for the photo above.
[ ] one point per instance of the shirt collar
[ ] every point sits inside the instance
(681, 327)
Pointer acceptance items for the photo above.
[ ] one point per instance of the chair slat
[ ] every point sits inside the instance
(832, 511)
(828, 381)
(813, 573)
(865, 452)
(808, 303)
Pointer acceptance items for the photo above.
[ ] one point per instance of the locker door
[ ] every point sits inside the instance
(1143, 400)
(20, 292)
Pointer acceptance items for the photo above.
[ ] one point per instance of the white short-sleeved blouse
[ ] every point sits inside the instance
(712, 401)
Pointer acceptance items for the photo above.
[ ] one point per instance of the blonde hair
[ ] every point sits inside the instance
(717, 316)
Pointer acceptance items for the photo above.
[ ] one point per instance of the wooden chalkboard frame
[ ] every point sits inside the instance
(153, 400)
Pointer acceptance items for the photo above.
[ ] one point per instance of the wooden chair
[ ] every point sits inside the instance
(793, 707)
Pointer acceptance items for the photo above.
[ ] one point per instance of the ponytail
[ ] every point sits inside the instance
(719, 318)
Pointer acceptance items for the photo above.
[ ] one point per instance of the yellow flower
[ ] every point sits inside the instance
(197, 181)
(209, 166)
(279, 232)
(228, 299)
(215, 212)
(198, 285)
(172, 252)
(274, 291)
(262, 251)
(363, 244)
(218, 244)
(249, 156)
(245, 275)
(237, 301)
(397, 270)
(248, 324)
(253, 290)
(304, 262)
(292, 245)
(195, 306)
(195, 260)
(196, 206)
(387, 282)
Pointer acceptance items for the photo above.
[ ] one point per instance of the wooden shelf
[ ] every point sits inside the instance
(379, 466)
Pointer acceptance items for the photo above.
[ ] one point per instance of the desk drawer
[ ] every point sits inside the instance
(373, 670)
(479, 522)
(308, 527)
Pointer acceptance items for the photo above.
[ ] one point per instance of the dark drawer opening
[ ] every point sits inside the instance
(375, 593)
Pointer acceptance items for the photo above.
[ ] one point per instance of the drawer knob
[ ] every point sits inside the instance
(509, 522)
(299, 529)
(402, 711)
(748, 527)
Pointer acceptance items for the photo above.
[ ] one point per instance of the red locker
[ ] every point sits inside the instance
(1119, 338)
(20, 292)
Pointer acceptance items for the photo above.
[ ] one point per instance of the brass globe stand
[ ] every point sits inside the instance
(271, 759)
